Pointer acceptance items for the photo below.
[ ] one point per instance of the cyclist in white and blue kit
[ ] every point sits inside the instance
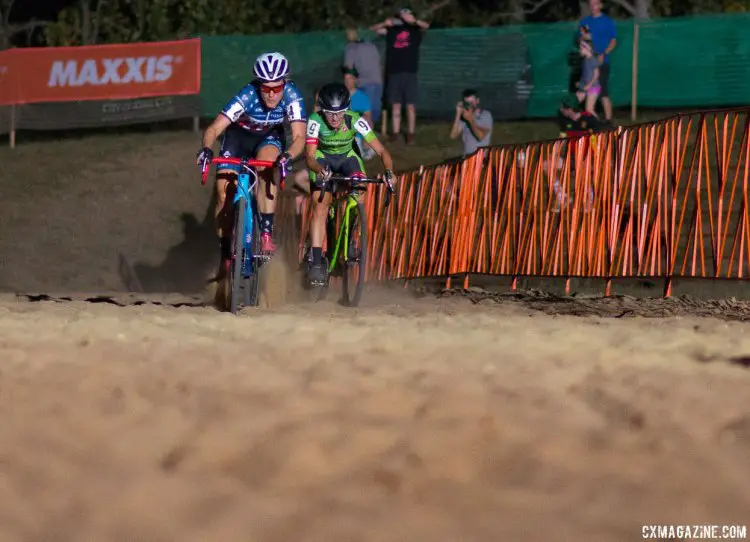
(252, 126)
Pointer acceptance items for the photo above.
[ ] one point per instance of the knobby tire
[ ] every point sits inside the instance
(353, 287)
(235, 276)
(252, 283)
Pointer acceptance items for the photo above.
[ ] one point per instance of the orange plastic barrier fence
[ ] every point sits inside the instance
(661, 200)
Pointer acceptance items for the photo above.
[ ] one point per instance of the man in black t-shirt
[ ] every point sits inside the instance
(403, 36)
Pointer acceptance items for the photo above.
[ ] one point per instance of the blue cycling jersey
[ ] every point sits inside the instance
(248, 111)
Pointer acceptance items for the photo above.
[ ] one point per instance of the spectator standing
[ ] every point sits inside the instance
(472, 123)
(403, 35)
(364, 57)
(360, 104)
(603, 34)
(589, 87)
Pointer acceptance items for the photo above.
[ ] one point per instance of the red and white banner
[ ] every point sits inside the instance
(100, 72)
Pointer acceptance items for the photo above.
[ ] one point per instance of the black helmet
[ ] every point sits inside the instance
(334, 97)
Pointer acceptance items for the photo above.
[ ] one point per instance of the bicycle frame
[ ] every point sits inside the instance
(343, 235)
(244, 190)
(351, 203)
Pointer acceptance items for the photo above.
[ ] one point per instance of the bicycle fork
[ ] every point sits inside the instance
(243, 193)
(343, 236)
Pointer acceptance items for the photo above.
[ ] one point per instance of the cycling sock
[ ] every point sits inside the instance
(317, 254)
(226, 248)
(266, 222)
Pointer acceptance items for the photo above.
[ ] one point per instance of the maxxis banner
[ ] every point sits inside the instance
(100, 72)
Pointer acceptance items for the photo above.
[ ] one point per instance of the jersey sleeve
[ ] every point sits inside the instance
(295, 104)
(235, 107)
(363, 127)
(313, 129)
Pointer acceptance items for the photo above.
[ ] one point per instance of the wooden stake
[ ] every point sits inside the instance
(634, 91)
(12, 126)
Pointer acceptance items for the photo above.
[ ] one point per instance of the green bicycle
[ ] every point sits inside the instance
(346, 231)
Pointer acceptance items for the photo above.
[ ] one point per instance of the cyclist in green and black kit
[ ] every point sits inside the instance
(331, 149)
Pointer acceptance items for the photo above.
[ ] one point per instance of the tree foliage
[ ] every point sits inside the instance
(86, 22)
(11, 30)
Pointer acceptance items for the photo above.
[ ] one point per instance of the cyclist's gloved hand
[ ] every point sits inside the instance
(325, 173)
(285, 160)
(204, 155)
(388, 178)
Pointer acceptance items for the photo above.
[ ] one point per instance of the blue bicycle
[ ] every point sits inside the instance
(244, 280)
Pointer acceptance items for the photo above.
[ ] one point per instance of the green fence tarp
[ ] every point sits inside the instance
(521, 71)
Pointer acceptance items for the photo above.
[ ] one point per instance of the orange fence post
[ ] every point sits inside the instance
(661, 200)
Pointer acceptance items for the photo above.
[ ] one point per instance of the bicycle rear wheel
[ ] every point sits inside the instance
(355, 262)
(238, 256)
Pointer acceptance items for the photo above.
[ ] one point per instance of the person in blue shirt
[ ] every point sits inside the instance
(602, 32)
(251, 125)
(360, 103)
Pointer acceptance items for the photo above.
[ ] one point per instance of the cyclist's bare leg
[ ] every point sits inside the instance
(320, 214)
(224, 213)
(302, 183)
(302, 180)
(223, 210)
(318, 232)
(266, 206)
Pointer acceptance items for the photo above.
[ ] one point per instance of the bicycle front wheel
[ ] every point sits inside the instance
(238, 257)
(252, 282)
(355, 259)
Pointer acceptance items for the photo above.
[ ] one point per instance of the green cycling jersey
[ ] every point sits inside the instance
(340, 141)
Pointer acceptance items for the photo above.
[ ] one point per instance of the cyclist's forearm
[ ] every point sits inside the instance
(214, 130)
(210, 136)
(385, 156)
(311, 162)
(296, 148)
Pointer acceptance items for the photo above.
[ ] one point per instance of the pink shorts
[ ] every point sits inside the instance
(594, 91)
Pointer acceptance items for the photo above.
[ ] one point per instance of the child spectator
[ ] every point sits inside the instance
(588, 87)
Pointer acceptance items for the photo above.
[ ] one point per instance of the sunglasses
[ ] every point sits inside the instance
(272, 90)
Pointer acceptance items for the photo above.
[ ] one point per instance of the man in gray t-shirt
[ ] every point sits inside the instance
(364, 57)
(472, 123)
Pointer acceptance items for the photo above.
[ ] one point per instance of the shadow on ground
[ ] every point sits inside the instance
(189, 266)
(186, 266)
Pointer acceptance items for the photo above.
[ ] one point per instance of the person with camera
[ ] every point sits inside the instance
(472, 123)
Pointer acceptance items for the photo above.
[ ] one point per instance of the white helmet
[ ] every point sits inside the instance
(271, 67)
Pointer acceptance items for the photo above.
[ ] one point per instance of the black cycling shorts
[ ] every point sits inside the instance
(237, 142)
(345, 165)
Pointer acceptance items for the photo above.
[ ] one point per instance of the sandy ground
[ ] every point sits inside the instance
(141, 415)
(436, 419)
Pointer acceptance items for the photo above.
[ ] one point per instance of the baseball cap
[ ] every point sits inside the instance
(350, 71)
